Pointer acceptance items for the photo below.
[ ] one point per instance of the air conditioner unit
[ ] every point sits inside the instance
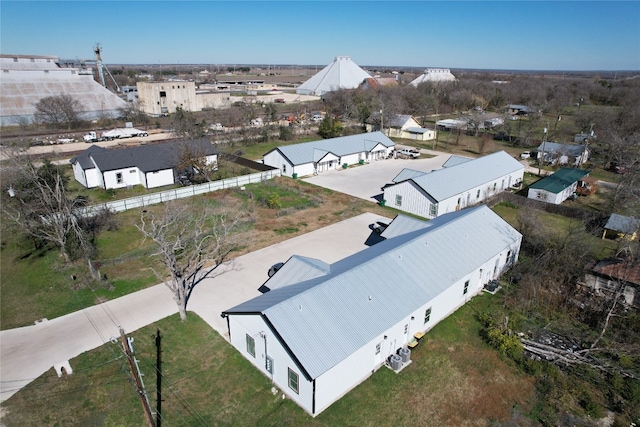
(396, 362)
(405, 354)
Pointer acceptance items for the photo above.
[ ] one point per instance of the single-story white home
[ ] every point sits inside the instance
(557, 187)
(400, 126)
(563, 154)
(313, 157)
(464, 183)
(326, 328)
(151, 165)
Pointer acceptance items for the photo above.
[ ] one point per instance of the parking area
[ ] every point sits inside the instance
(366, 181)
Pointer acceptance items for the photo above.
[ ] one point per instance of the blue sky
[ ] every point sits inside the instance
(518, 35)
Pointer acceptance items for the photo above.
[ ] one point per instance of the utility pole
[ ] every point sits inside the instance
(541, 160)
(126, 346)
(158, 380)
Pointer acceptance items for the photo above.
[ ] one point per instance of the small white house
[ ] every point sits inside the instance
(148, 165)
(463, 183)
(557, 187)
(313, 157)
(400, 126)
(330, 327)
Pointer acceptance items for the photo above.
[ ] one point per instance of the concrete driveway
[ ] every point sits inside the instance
(366, 181)
(28, 352)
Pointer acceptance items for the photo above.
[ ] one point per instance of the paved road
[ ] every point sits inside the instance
(28, 352)
(365, 181)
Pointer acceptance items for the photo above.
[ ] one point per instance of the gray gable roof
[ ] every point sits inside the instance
(406, 174)
(622, 224)
(307, 152)
(297, 269)
(455, 160)
(558, 148)
(84, 158)
(448, 182)
(324, 320)
(147, 158)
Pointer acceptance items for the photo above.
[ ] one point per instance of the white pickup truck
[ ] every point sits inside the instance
(406, 152)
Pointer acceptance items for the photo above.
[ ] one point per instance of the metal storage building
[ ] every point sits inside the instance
(318, 338)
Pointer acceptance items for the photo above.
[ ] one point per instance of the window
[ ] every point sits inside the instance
(119, 177)
(251, 345)
(478, 194)
(466, 287)
(427, 315)
(433, 210)
(163, 94)
(293, 380)
(378, 347)
(398, 200)
(132, 171)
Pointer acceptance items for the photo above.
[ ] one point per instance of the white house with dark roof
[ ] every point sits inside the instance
(148, 165)
(317, 338)
(313, 157)
(400, 126)
(465, 183)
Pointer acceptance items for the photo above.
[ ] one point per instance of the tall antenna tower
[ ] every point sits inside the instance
(97, 49)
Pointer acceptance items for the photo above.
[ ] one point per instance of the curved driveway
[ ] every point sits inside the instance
(28, 352)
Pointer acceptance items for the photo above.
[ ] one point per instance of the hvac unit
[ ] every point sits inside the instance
(396, 362)
(405, 354)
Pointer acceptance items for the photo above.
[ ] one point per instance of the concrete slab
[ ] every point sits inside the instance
(366, 181)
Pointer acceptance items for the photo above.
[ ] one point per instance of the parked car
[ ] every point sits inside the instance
(525, 155)
(405, 152)
(380, 226)
(274, 268)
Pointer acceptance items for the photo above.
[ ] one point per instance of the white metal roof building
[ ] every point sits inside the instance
(319, 338)
(26, 79)
(455, 187)
(342, 73)
(434, 75)
(314, 157)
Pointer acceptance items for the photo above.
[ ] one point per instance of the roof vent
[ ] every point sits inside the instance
(300, 307)
(370, 297)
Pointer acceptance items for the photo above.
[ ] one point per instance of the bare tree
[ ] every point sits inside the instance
(40, 205)
(192, 239)
(59, 111)
(193, 160)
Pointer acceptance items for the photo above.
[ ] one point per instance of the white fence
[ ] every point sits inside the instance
(178, 193)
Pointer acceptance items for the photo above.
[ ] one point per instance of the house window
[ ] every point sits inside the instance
(466, 287)
(478, 194)
(163, 94)
(427, 315)
(119, 177)
(132, 171)
(251, 345)
(398, 200)
(378, 347)
(433, 210)
(293, 380)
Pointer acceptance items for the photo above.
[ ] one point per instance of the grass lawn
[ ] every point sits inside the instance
(454, 379)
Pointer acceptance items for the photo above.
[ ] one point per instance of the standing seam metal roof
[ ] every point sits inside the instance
(324, 320)
(448, 182)
(560, 180)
